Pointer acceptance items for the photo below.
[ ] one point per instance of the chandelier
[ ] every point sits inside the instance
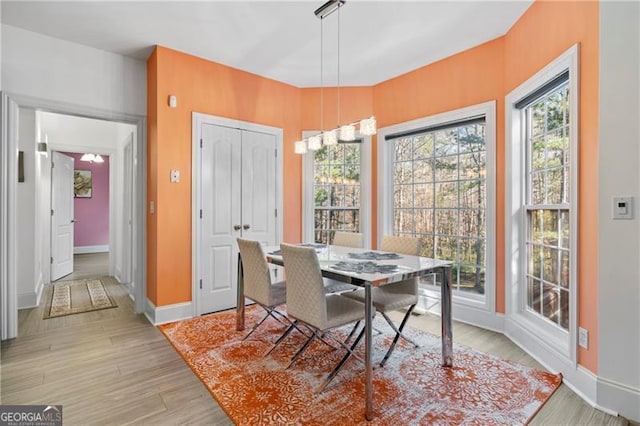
(344, 132)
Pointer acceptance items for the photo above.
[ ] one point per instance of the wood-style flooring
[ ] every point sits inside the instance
(113, 367)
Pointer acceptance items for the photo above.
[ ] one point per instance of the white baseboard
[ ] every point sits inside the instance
(582, 381)
(90, 249)
(27, 300)
(464, 313)
(624, 399)
(170, 313)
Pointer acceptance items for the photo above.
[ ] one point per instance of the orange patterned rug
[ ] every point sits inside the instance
(412, 388)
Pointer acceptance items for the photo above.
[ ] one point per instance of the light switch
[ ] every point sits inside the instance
(623, 207)
(175, 176)
(152, 207)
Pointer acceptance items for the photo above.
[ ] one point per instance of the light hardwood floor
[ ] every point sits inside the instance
(113, 367)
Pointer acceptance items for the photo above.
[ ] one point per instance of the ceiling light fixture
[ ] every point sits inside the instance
(92, 158)
(344, 132)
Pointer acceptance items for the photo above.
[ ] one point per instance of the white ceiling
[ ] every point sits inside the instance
(278, 39)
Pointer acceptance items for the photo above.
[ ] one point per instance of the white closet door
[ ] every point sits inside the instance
(221, 217)
(259, 187)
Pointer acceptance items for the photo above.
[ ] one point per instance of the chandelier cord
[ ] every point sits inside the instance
(339, 66)
(322, 75)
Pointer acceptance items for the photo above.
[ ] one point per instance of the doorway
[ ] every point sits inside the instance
(237, 175)
(9, 235)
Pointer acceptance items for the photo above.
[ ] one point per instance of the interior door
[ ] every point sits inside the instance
(62, 221)
(259, 187)
(238, 199)
(220, 217)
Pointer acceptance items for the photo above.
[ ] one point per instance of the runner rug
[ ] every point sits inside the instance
(75, 297)
(412, 388)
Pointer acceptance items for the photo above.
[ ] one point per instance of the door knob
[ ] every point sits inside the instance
(73, 221)
(236, 227)
(246, 226)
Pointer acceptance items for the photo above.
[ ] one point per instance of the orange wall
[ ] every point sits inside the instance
(545, 31)
(207, 87)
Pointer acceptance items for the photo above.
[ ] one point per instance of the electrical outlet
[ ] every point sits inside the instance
(583, 337)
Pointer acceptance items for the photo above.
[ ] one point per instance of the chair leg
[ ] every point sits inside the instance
(398, 333)
(256, 326)
(344, 359)
(302, 349)
(353, 331)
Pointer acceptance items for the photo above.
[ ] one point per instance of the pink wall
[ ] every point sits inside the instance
(92, 214)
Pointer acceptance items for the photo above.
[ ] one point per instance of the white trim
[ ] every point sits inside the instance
(308, 204)
(385, 183)
(8, 242)
(625, 399)
(197, 120)
(31, 299)
(167, 313)
(93, 249)
(519, 324)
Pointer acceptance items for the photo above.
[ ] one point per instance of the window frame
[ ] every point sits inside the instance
(523, 325)
(473, 301)
(308, 204)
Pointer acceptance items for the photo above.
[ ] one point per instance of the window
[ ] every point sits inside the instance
(439, 196)
(548, 203)
(541, 201)
(438, 185)
(336, 190)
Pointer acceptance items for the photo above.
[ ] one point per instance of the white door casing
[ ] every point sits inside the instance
(237, 179)
(127, 212)
(62, 216)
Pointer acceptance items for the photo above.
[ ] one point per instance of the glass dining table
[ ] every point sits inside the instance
(370, 268)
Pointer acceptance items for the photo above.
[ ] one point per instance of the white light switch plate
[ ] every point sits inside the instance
(175, 176)
(622, 207)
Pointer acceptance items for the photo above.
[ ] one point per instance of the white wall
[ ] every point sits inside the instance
(56, 70)
(619, 240)
(28, 291)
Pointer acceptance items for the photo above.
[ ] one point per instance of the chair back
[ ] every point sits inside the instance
(257, 279)
(305, 289)
(404, 245)
(348, 239)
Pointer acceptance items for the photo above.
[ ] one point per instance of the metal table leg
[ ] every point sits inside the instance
(447, 334)
(240, 297)
(368, 342)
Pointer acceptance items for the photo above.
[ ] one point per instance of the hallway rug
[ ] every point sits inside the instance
(75, 297)
(412, 388)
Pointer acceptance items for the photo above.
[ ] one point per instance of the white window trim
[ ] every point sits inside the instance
(538, 336)
(385, 205)
(308, 204)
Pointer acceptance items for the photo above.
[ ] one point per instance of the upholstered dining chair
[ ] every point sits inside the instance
(399, 295)
(257, 282)
(348, 239)
(343, 239)
(308, 303)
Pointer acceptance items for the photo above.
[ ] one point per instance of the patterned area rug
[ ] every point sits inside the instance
(75, 297)
(412, 388)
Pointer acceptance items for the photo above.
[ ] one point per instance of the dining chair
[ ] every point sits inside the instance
(396, 296)
(308, 304)
(257, 282)
(348, 239)
(343, 239)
